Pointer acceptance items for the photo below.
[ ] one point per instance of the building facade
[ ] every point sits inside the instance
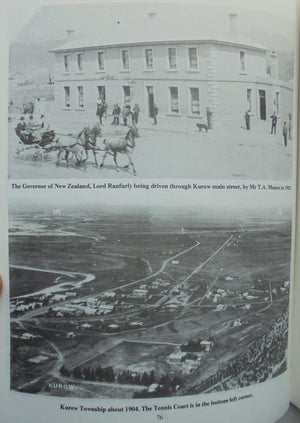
(185, 77)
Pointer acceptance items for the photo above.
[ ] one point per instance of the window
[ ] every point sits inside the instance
(80, 62)
(125, 59)
(249, 99)
(242, 61)
(126, 92)
(193, 58)
(67, 97)
(149, 58)
(101, 92)
(195, 104)
(67, 63)
(174, 99)
(100, 57)
(80, 97)
(172, 58)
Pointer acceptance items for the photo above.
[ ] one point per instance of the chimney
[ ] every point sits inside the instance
(70, 33)
(233, 24)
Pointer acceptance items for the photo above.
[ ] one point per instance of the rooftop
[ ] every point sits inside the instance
(161, 28)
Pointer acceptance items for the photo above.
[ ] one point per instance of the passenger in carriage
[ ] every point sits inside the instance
(33, 130)
(44, 125)
(21, 128)
(32, 125)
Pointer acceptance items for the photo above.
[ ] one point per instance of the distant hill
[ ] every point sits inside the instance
(32, 59)
(29, 54)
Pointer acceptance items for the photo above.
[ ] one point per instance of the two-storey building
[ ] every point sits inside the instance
(184, 72)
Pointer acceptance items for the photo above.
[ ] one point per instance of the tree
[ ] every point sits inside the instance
(77, 373)
(64, 371)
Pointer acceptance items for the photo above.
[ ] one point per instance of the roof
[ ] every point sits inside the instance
(163, 28)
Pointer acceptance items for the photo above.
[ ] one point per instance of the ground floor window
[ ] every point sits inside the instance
(101, 92)
(249, 99)
(174, 106)
(67, 97)
(80, 97)
(195, 101)
(126, 94)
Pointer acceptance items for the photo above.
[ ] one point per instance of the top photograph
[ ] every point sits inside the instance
(150, 91)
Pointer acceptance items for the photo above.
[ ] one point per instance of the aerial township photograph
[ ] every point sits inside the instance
(143, 302)
(113, 90)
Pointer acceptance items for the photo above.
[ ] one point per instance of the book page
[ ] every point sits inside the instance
(148, 218)
(295, 373)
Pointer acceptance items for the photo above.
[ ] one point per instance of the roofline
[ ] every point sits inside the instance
(149, 43)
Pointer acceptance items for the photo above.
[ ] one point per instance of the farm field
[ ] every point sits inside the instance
(128, 306)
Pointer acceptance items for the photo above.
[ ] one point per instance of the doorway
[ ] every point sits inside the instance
(150, 92)
(262, 104)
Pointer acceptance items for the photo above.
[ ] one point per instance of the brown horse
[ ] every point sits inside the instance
(122, 145)
(69, 144)
(88, 139)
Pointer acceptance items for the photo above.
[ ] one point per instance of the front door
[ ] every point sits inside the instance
(126, 96)
(150, 100)
(262, 104)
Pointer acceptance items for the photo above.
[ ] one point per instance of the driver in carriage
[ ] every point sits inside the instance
(33, 130)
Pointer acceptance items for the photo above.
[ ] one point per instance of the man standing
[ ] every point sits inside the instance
(285, 132)
(136, 112)
(99, 111)
(116, 114)
(125, 114)
(274, 123)
(154, 113)
(290, 126)
(247, 119)
(209, 118)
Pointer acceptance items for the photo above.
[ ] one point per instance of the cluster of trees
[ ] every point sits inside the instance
(105, 374)
(193, 346)
(166, 386)
(126, 377)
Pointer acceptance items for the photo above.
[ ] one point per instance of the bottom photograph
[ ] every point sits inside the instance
(144, 302)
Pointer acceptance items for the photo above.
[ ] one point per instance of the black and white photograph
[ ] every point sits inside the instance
(121, 301)
(153, 90)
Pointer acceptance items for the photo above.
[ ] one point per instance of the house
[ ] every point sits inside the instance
(176, 357)
(27, 336)
(186, 70)
(141, 293)
(86, 326)
(105, 308)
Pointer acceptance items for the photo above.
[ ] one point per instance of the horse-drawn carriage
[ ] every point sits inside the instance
(34, 142)
(38, 143)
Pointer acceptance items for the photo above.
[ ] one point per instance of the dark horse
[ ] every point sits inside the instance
(122, 145)
(88, 139)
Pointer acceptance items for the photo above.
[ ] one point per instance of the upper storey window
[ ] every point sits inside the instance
(125, 59)
(172, 58)
(100, 59)
(80, 62)
(192, 58)
(242, 61)
(67, 63)
(149, 58)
